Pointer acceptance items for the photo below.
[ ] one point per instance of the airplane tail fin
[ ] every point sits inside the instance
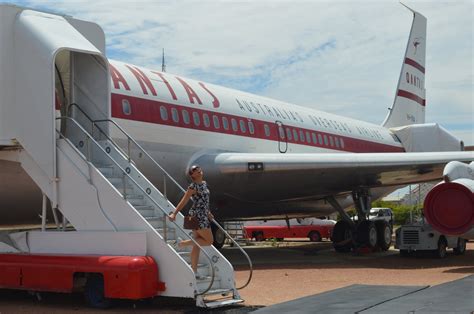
(409, 104)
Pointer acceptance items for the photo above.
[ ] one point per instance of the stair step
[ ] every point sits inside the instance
(145, 207)
(155, 221)
(116, 180)
(137, 202)
(222, 292)
(148, 213)
(106, 170)
(170, 233)
(215, 304)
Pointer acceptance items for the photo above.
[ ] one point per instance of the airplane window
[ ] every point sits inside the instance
(317, 121)
(215, 119)
(207, 122)
(174, 115)
(196, 119)
(163, 113)
(185, 116)
(320, 139)
(327, 122)
(308, 137)
(331, 141)
(348, 128)
(251, 127)
(225, 123)
(336, 140)
(315, 140)
(302, 136)
(243, 129)
(126, 107)
(267, 129)
(295, 135)
(342, 143)
(281, 132)
(234, 125)
(288, 134)
(325, 140)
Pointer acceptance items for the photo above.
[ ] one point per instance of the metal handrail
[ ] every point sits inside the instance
(128, 154)
(144, 192)
(129, 139)
(241, 249)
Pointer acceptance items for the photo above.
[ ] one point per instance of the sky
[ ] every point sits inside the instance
(342, 57)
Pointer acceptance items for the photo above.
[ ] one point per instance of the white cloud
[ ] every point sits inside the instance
(336, 56)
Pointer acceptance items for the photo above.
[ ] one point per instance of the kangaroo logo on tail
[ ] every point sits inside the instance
(416, 42)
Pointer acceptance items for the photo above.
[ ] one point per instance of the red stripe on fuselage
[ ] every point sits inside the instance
(418, 99)
(145, 110)
(415, 64)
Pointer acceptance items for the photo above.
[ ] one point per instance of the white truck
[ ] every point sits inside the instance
(419, 236)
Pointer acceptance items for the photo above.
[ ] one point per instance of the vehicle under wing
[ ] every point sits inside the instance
(284, 177)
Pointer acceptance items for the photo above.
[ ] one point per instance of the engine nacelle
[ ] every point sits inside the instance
(449, 206)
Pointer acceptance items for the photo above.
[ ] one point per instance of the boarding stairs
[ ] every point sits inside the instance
(214, 284)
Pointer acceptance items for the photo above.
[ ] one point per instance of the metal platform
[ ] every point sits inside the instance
(452, 297)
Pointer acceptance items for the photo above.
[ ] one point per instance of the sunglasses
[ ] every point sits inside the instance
(194, 169)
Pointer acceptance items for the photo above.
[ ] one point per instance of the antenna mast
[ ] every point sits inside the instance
(163, 65)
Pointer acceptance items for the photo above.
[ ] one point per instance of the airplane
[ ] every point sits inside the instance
(265, 158)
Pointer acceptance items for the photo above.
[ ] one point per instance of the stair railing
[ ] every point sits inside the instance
(130, 141)
(241, 249)
(88, 158)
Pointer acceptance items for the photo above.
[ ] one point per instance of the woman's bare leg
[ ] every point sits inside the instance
(204, 238)
(195, 257)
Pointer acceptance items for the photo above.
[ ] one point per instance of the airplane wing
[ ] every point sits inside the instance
(280, 177)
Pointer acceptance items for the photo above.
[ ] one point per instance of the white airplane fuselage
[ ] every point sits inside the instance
(178, 119)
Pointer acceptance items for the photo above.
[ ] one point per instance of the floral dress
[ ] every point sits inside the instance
(200, 208)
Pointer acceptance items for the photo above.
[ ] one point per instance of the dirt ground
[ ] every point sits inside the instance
(312, 269)
(283, 271)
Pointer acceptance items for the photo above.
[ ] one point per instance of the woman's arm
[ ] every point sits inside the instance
(190, 192)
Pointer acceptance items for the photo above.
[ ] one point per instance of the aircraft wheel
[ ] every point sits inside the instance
(342, 237)
(367, 234)
(219, 237)
(384, 235)
(461, 247)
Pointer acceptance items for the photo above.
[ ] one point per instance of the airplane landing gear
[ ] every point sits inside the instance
(348, 235)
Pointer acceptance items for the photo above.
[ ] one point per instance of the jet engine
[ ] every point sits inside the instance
(449, 206)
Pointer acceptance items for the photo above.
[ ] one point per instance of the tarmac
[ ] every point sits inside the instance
(452, 297)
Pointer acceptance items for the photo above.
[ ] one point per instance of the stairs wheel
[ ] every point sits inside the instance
(94, 292)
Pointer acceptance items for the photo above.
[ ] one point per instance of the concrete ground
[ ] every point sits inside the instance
(283, 271)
